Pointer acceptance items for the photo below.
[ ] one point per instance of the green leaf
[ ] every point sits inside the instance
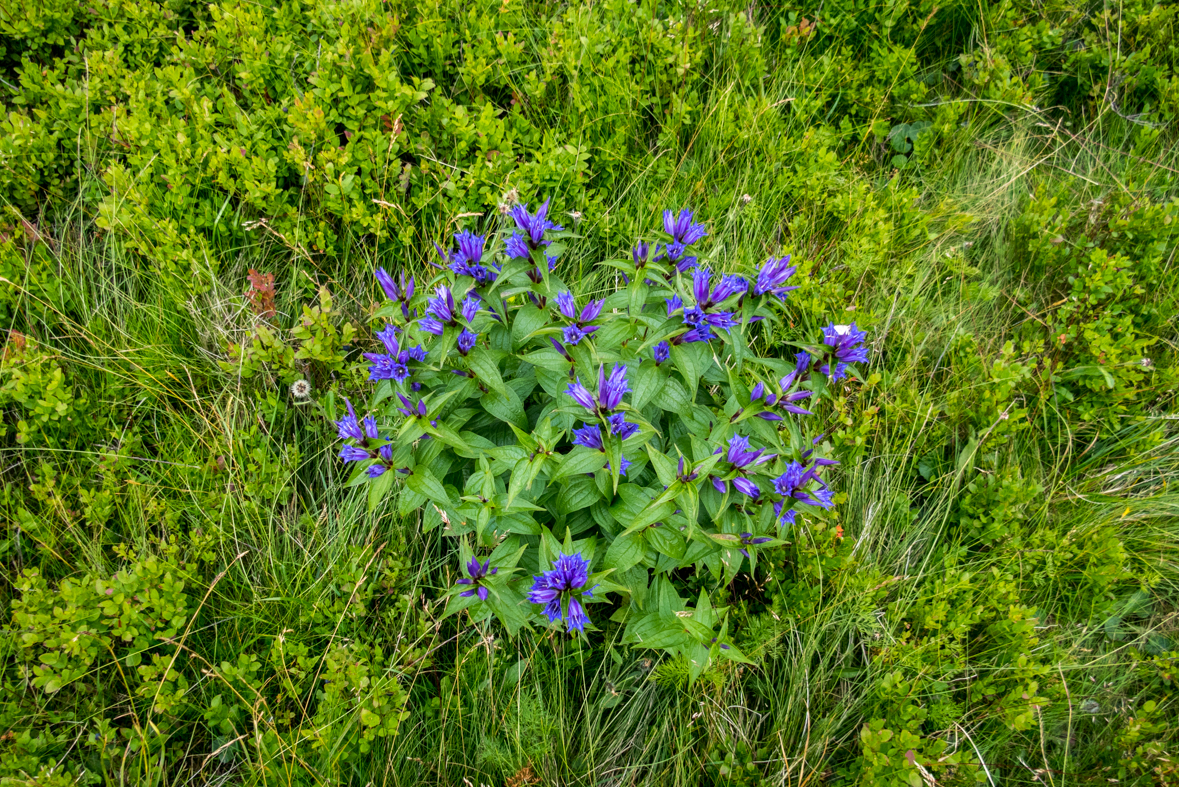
(424, 483)
(666, 540)
(672, 396)
(380, 487)
(575, 494)
(684, 358)
(486, 369)
(506, 406)
(626, 551)
(579, 460)
(655, 630)
(647, 381)
(529, 320)
(547, 359)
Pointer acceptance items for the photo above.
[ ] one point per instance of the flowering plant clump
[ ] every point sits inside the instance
(582, 450)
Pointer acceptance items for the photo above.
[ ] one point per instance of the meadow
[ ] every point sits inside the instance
(195, 199)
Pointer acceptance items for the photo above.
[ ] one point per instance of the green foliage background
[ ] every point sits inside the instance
(191, 594)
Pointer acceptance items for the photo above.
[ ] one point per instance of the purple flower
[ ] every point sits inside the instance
(722, 320)
(477, 573)
(785, 517)
(535, 225)
(516, 247)
(560, 348)
(566, 304)
(626, 463)
(640, 253)
(748, 540)
(566, 580)
(674, 303)
(746, 487)
(685, 478)
(662, 352)
(610, 390)
(389, 285)
(741, 456)
(718, 484)
(727, 288)
(376, 471)
(846, 343)
(792, 484)
(441, 305)
(351, 453)
(589, 435)
(370, 427)
(470, 247)
(393, 366)
(701, 333)
(466, 341)
(348, 427)
(470, 306)
(581, 395)
(577, 616)
(410, 409)
(694, 316)
(757, 391)
(573, 334)
(818, 497)
(681, 227)
(773, 276)
(388, 338)
(568, 307)
(429, 324)
(621, 427)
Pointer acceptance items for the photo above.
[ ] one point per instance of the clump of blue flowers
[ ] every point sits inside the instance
(606, 445)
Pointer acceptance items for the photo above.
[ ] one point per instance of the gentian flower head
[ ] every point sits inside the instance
(741, 456)
(662, 352)
(401, 294)
(640, 253)
(477, 573)
(701, 333)
(674, 303)
(564, 583)
(470, 306)
(611, 389)
(620, 426)
(351, 453)
(772, 277)
(467, 340)
(441, 306)
(573, 334)
(748, 540)
(535, 225)
(590, 436)
(685, 477)
(846, 343)
(727, 287)
(746, 487)
(348, 427)
(410, 409)
(681, 227)
(566, 304)
(516, 247)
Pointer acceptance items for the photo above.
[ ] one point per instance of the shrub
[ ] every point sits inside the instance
(633, 446)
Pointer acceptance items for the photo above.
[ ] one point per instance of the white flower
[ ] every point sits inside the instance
(300, 389)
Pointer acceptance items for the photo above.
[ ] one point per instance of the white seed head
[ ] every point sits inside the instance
(300, 389)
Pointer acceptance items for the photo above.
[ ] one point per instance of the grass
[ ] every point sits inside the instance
(1033, 654)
